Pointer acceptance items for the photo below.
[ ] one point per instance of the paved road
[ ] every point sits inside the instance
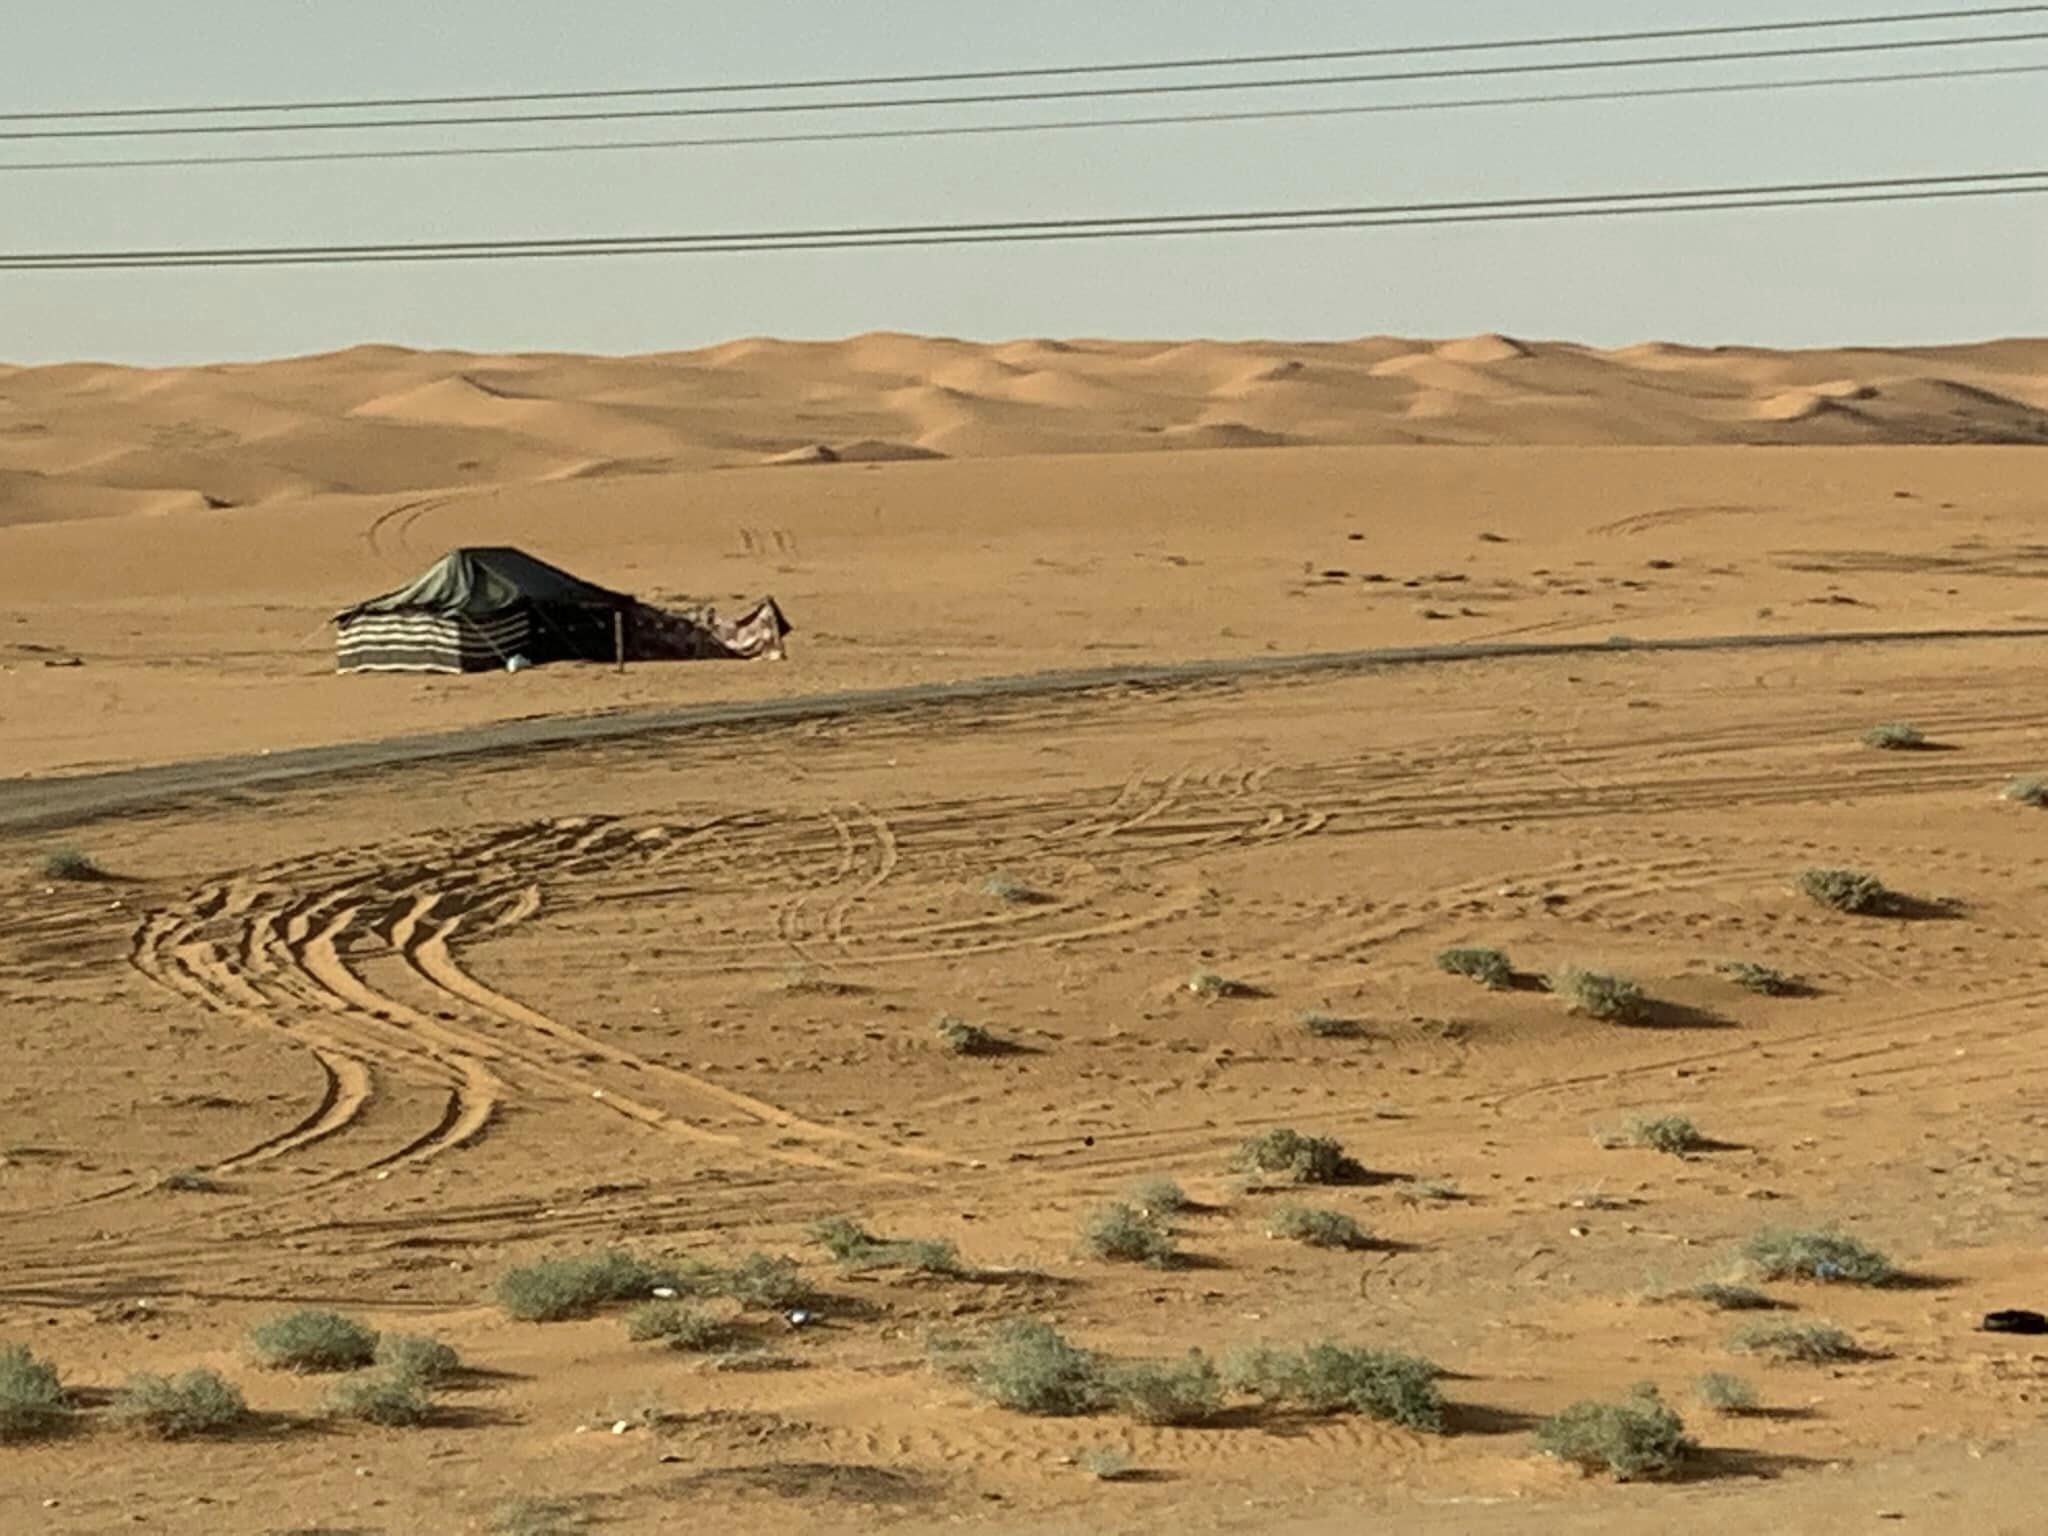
(31, 803)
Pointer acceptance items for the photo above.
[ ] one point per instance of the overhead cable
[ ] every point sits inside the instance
(1000, 98)
(1054, 71)
(1139, 226)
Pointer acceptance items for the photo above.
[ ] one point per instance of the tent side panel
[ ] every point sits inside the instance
(426, 642)
(562, 633)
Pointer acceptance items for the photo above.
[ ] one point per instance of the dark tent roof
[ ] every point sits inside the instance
(480, 583)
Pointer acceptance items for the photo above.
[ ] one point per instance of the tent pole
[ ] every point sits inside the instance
(619, 637)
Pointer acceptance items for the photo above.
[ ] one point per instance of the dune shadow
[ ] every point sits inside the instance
(1139, 1475)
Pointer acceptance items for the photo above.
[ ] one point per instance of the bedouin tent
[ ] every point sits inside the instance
(476, 609)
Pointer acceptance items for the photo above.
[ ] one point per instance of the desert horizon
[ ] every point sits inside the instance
(1057, 770)
(957, 971)
(88, 439)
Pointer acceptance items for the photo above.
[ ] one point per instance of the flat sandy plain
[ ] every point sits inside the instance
(678, 992)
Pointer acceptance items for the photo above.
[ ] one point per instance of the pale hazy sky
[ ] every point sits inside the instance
(1914, 273)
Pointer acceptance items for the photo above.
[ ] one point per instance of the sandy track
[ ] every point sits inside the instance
(52, 803)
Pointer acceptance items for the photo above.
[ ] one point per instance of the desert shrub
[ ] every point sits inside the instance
(1014, 891)
(765, 1281)
(843, 1237)
(70, 864)
(1489, 967)
(1637, 1439)
(1030, 1368)
(675, 1324)
(200, 1402)
(964, 1039)
(1104, 1463)
(33, 1402)
(1207, 984)
(1786, 1254)
(1894, 736)
(1803, 1343)
(859, 1250)
(417, 1355)
(190, 1181)
(1726, 1394)
(1124, 1234)
(1157, 1197)
(1731, 1298)
(1329, 1026)
(2027, 791)
(1665, 1133)
(395, 1399)
(549, 1290)
(1845, 890)
(313, 1340)
(1184, 1391)
(1601, 995)
(805, 981)
(1338, 1378)
(1760, 979)
(923, 1256)
(1318, 1228)
(1285, 1153)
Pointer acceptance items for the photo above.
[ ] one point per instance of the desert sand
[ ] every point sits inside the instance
(401, 1029)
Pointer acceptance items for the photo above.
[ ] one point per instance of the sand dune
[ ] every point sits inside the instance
(1483, 349)
(387, 420)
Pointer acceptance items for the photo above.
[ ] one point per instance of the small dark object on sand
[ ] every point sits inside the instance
(2015, 1320)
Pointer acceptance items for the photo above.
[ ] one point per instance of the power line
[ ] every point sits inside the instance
(1479, 210)
(969, 130)
(995, 98)
(1234, 61)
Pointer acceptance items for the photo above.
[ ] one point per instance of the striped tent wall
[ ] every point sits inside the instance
(419, 641)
